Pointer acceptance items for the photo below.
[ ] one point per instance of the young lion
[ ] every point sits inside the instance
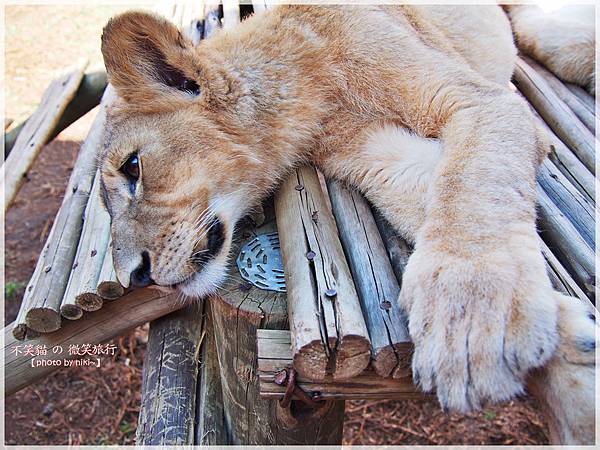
(204, 133)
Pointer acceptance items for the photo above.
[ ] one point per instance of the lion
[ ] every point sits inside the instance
(410, 105)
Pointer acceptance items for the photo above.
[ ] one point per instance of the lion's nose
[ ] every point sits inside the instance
(140, 277)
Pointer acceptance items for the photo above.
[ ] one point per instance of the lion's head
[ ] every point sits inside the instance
(170, 168)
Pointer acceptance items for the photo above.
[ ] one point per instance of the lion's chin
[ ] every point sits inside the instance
(205, 282)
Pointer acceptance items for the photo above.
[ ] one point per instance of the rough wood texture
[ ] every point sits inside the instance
(169, 378)
(566, 161)
(209, 419)
(398, 249)
(238, 311)
(586, 98)
(38, 130)
(109, 287)
(375, 281)
(274, 355)
(579, 108)
(212, 23)
(231, 14)
(329, 333)
(564, 239)
(60, 248)
(561, 280)
(575, 206)
(556, 113)
(136, 308)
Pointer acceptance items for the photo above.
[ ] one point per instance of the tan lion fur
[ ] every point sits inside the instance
(332, 86)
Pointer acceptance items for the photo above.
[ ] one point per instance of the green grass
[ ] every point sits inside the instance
(11, 289)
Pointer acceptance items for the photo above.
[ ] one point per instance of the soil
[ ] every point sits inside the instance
(101, 405)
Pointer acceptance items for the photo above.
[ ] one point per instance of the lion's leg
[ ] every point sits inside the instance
(564, 41)
(395, 168)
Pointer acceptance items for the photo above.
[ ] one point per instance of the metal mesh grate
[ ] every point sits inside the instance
(259, 262)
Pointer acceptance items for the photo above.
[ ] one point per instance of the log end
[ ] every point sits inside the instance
(71, 312)
(19, 331)
(89, 301)
(353, 356)
(310, 361)
(384, 361)
(110, 290)
(43, 320)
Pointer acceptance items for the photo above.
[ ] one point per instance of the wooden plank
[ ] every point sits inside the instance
(579, 108)
(209, 428)
(238, 311)
(38, 129)
(367, 385)
(329, 333)
(398, 249)
(109, 287)
(556, 113)
(575, 206)
(231, 14)
(169, 378)
(563, 238)
(586, 98)
(116, 318)
(375, 281)
(56, 261)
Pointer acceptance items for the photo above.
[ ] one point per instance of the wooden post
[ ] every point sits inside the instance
(37, 131)
(238, 311)
(328, 329)
(558, 115)
(170, 378)
(134, 309)
(375, 281)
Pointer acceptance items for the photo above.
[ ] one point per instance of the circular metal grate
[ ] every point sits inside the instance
(259, 262)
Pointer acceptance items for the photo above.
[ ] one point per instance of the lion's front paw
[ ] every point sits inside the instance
(478, 324)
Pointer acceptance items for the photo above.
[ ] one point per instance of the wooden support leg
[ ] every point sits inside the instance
(238, 311)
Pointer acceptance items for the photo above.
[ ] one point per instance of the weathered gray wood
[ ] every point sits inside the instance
(259, 6)
(134, 309)
(375, 281)
(38, 130)
(275, 355)
(579, 108)
(46, 294)
(569, 200)
(398, 249)
(238, 311)
(212, 23)
(231, 14)
(328, 329)
(566, 161)
(169, 378)
(556, 113)
(564, 239)
(209, 419)
(583, 95)
(109, 287)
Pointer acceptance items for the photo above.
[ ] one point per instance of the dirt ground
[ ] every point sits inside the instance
(101, 405)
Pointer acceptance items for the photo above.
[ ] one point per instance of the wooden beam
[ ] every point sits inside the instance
(238, 311)
(169, 378)
(579, 108)
(274, 355)
(556, 113)
(116, 318)
(231, 14)
(375, 281)
(329, 333)
(38, 129)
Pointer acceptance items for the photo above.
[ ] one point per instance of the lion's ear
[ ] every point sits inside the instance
(148, 59)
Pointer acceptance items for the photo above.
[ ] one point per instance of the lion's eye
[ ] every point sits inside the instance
(131, 169)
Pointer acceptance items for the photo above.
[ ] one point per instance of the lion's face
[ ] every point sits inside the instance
(168, 168)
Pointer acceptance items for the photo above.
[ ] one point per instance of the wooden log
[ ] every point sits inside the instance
(116, 318)
(86, 98)
(586, 98)
(169, 378)
(231, 14)
(563, 238)
(94, 243)
(579, 108)
(109, 287)
(259, 6)
(558, 115)
(561, 280)
(274, 355)
(398, 249)
(375, 281)
(212, 22)
(569, 200)
(570, 166)
(46, 294)
(238, 311)
(38, 129)
(328, 330)
(210, 416)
